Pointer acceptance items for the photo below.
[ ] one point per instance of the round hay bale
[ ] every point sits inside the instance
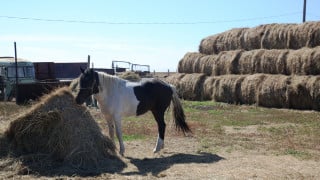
(313, 86)
(189, 86)
(304, 92)
(208, 87)
(250, 62)
(227, 63)
(276, 36)
(229, 40)
(304, 35)
(295, 62)
(313, 60)
(208, 64)
(174, 79)
(273, 61)
(268, 36)
(305, 61)
(250, 87)
(252, 37)
(190, 63)
(246, 65)
(62, 131)
(299, 96)
(273, 91)
(227, 89)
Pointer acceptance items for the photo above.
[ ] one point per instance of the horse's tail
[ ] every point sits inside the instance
(178, 113)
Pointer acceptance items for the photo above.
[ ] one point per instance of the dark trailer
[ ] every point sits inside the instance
(48, 76)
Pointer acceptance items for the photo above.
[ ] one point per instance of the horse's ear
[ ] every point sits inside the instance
(97, 78)
(82, 70)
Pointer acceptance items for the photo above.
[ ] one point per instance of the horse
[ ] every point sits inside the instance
(118, 98)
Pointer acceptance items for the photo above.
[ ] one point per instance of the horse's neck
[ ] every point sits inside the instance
(108, 88)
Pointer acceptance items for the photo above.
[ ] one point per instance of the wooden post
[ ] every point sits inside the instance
(304, 11)
(88, 65)
(16, 64)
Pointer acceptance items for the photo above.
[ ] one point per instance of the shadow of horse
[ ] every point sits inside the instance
(157, 165)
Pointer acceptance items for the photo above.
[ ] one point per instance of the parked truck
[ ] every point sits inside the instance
(26, 74)
(34, 79)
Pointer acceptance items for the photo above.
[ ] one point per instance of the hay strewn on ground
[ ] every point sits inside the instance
(57, 130)
(280, 91)
(130, 76)
(268, 36)
(305, 61)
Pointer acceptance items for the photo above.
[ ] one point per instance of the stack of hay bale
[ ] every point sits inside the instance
(272, 65)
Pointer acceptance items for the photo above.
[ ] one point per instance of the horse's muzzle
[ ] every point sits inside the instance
(78, 101)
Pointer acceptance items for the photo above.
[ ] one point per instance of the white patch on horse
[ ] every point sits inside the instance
(159, 145)
(116, 100)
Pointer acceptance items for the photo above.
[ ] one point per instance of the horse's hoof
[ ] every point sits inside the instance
(157, 149)
(121, 153)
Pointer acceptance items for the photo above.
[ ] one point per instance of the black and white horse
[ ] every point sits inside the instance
(119, 98)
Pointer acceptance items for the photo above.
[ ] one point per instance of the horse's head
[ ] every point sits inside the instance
(89, 82)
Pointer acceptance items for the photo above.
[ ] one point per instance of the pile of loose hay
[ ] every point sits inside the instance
(60, 131)
(130, 76)
(304, 61)
(268, 36)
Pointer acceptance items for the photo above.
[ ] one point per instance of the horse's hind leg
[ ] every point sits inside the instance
(159, 116)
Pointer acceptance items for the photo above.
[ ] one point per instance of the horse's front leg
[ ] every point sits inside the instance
(110, 123)
(117, 121)
(111, 129)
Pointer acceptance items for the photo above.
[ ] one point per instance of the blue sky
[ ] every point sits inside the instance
(157, 33)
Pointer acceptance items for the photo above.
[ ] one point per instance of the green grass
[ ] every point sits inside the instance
(277, 131)
(132, 137)
(298, 154)
(221, 127)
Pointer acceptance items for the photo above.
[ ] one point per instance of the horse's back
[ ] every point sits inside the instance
(152, 94)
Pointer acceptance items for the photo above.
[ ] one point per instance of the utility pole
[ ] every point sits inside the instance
(304, 11)
(88, 65)
(16, 66)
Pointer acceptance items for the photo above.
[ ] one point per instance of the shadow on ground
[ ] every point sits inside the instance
(157, 165)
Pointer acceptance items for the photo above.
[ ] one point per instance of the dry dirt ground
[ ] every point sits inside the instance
(182, 158)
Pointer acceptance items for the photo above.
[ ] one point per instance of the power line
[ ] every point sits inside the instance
(146, 23)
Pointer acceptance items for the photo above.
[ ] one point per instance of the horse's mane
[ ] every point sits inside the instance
(110, 81)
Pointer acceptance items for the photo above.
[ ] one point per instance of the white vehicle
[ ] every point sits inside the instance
(26, 74)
